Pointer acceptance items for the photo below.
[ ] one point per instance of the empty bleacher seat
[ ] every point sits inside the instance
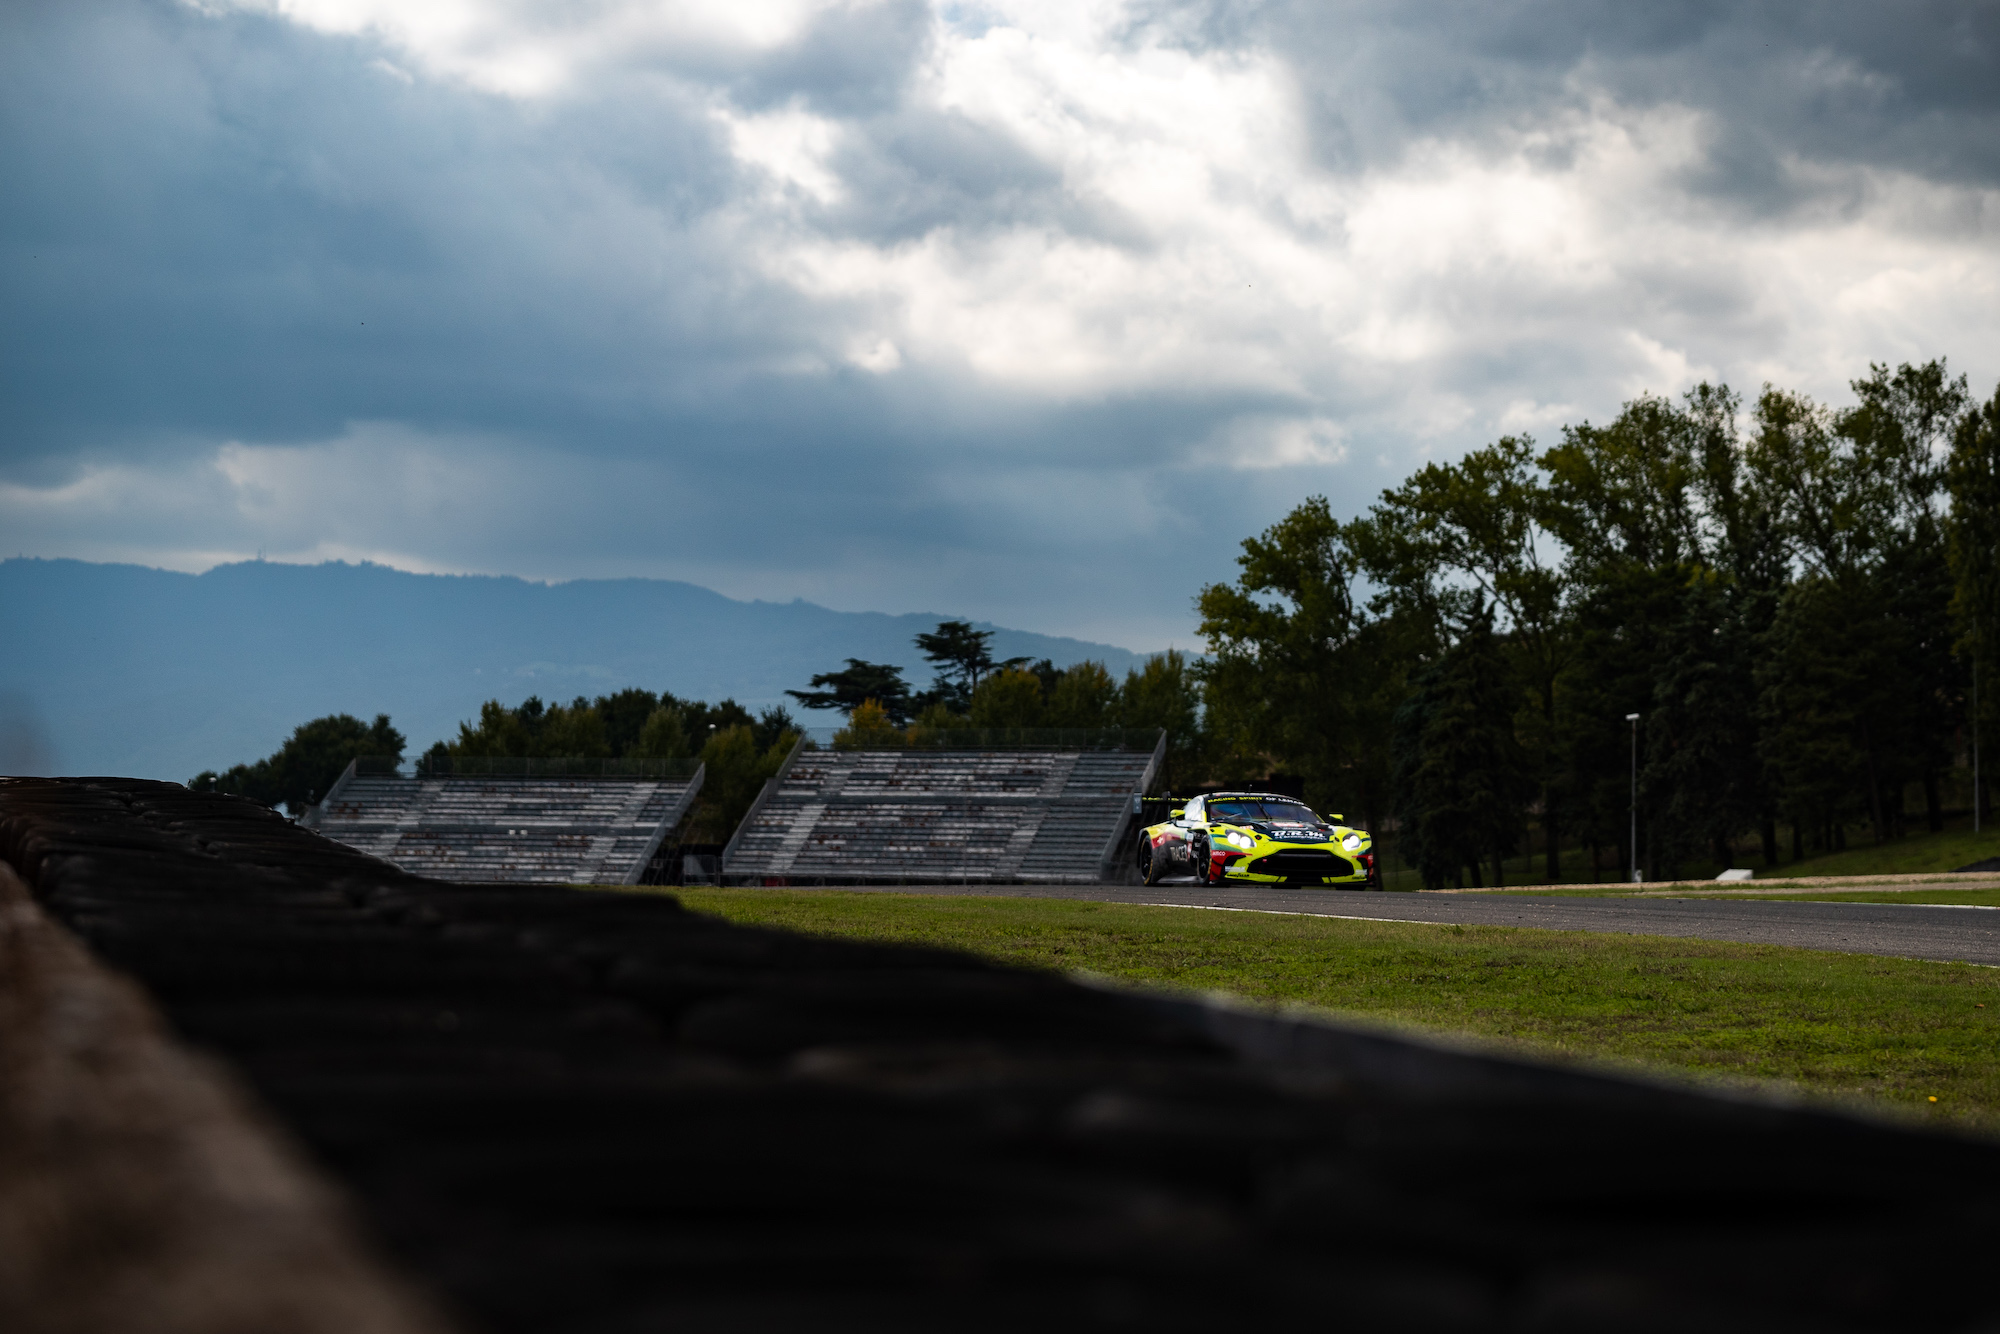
(562, 830)
(912, 815)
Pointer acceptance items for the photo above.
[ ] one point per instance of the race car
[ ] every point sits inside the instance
(1257, 838)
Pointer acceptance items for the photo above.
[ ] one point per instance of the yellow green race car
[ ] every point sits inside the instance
(1256, 838)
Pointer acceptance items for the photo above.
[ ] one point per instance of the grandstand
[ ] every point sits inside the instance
(836, 816)
(532, 821)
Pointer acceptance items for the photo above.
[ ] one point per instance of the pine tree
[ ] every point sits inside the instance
(1461, 780)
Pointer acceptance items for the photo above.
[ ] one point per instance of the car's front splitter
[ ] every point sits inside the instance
(1252, 878)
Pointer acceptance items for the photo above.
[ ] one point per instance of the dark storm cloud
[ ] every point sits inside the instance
(240, 227)
(1909, 86)
(783, 316)
(846, 62)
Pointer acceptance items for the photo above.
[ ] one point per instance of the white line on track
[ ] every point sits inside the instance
(1844, 903)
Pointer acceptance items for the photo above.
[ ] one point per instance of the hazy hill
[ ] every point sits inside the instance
(121, 669)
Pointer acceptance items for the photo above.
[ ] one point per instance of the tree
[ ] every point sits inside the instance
(1900, 430)
(1619, 621)
(1831, 509)
(1676, 547)
(1295, 669)
(772, 726)
(1085, 695)
(736, 773)
(664, 735)
(704, 720)
(1458, 542)
(1920, 685)
(1900, 433)
(1858, 491)
(1746, 542)
(610, 726)
(1973, 548)
(861, 681)
(310, 762)
(1166, 693)
(1811, 695)
(1010, 697)
(535, 729)
(963, 659)
(936, 720)
(1701, 777)
(869, 728)
(1625, 493)
(1461, 781)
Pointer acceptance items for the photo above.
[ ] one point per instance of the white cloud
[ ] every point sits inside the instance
(543, 50)
(879, 355)
(791, 146)
(1261, 443)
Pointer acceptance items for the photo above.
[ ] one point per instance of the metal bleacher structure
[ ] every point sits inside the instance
(553, 822)
(1027, 814)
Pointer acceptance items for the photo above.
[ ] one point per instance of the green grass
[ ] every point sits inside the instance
(1913, 854)
(1886, 1033)
(1864, 893)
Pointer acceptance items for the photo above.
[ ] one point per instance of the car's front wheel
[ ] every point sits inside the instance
(1204, 865)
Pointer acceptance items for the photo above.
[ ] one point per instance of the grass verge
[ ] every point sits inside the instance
(1882, 1033)
(1981, 892)
(1913, 854)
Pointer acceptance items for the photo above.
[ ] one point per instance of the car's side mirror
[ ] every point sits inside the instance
(1177, 813)
(1336, 815)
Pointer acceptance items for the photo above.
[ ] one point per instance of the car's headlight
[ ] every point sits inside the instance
(1236, 840)
(1351, 842)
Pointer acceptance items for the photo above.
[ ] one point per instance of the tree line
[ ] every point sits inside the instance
(739, 750)
(1793, 597)
(307, 766)
(971, 690)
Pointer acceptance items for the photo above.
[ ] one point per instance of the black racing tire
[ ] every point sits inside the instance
(1198, 851)
(1149, 865)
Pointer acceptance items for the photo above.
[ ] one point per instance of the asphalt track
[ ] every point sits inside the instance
(1899, 930)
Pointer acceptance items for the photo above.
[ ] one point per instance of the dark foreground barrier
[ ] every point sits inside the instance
(575, 1111)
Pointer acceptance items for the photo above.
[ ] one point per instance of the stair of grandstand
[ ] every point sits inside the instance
(913, 815)
(485, 829)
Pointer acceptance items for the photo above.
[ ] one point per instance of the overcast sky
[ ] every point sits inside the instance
(1021, 311)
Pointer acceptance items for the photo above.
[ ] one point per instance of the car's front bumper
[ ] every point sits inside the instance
(1296, 865)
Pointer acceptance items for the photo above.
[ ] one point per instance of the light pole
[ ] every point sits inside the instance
(1633, 719)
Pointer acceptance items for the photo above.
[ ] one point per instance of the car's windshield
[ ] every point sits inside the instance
(1233, 808)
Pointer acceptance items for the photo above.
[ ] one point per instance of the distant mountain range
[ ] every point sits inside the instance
(122, 669)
